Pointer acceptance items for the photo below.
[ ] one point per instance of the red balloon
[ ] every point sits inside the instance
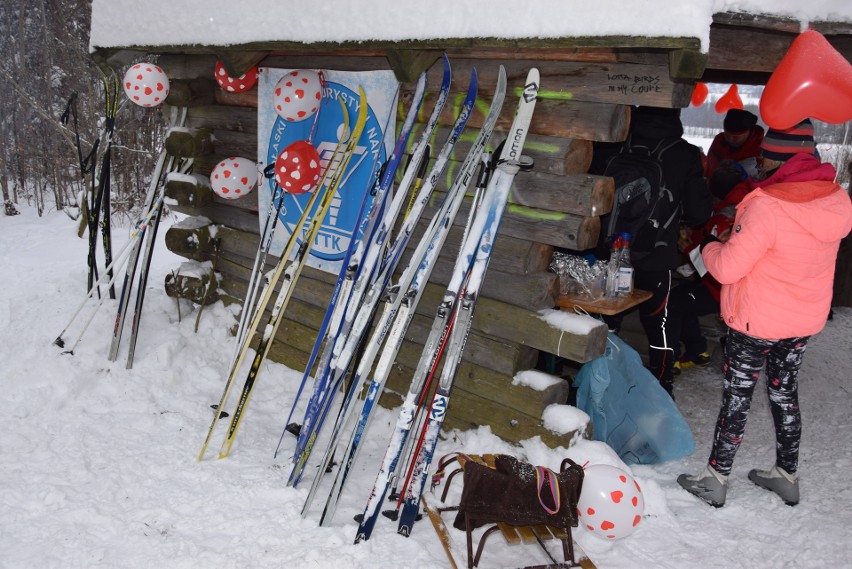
(813, 80)
(297, 168)
(730, 100)
(699, 94)
(235, 84)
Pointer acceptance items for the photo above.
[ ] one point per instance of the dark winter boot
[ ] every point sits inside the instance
(669, 387)
(779, 481)
(710, 486)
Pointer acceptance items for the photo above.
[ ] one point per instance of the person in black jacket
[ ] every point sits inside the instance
(684, 177)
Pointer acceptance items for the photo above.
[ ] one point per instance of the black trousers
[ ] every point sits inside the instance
(745, 356)
(687, 302)
(653, 315)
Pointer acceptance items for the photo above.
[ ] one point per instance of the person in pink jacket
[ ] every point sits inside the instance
(777, 272)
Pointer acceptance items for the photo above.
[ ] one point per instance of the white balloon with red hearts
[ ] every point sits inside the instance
(611, 502)
(297, 95)
(234, 177)
(235, 85)
(297, 168)
(146, 84)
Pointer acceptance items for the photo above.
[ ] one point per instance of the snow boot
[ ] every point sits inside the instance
(779, 481)
(686, 362)
(710, 486)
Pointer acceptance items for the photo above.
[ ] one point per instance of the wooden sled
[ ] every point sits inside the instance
(573, 555)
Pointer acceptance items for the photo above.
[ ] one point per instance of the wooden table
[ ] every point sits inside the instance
(605, 305)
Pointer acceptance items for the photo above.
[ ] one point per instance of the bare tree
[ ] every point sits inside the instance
(46, 62)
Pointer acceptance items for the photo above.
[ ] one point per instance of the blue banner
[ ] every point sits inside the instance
(374, 146)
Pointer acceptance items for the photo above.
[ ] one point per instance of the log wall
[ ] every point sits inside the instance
(557, 204)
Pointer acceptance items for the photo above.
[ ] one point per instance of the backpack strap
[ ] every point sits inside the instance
(662, 146)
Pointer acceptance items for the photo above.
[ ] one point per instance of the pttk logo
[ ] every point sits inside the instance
(331, 133)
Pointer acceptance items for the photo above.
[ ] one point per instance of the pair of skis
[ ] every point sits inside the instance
(129, 255)
(400, 303)
(364, 269)
(286, 272)
(449, 332)
(352, 267)
(355, 333)
(95, 195)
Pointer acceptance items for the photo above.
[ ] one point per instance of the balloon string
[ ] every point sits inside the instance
(319, 108)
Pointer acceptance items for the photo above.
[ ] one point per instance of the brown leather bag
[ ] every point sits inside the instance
(519, 494)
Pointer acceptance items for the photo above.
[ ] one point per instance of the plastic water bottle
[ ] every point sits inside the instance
(612, 268)
(624, 275)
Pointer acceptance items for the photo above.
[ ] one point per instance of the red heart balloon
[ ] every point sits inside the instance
(235, 84)
(813, 80)
(730, 100)
(699, 94)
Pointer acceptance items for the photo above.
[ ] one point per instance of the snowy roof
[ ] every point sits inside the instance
(128, 23)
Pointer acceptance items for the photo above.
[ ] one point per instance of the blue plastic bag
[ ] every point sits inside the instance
(629, 409)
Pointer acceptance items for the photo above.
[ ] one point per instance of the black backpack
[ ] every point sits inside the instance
(642, 204)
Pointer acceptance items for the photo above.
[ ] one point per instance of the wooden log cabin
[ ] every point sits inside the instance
(588, 87)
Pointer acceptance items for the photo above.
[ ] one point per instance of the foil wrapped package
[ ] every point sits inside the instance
(577, 277)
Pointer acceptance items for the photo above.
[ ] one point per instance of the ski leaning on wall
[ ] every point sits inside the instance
(355, 333)
(447, 338)
(351, 268)
(400, 303)
(364, 268)
(272, 278)
(129, 254)
(382, 287)
(294, 270)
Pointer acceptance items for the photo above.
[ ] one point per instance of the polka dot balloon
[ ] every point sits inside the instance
(146, 85)
(611, 503)
(297, 95)
(233, 178)
(235, 85)
(297, 168)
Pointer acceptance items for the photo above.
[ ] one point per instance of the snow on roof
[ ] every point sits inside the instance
(125, 23)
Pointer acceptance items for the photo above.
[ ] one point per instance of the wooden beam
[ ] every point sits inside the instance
(559, 229)
(511, 255)
(408, 64)
(191, 92)
(480, 43)
(470, 410)
(760, 50)
(188, 66)
(237, 63)
(687, 64)
(757, 21)
(559, 119)
(189, 142)
(188, 190)
(500, 320)
(194, 282)
(583, 194)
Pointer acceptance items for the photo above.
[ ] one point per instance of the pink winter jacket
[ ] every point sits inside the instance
(777, 268)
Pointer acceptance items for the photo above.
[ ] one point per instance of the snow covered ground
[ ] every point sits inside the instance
(98, 462)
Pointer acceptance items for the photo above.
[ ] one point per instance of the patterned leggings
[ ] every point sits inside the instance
(745, 357)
